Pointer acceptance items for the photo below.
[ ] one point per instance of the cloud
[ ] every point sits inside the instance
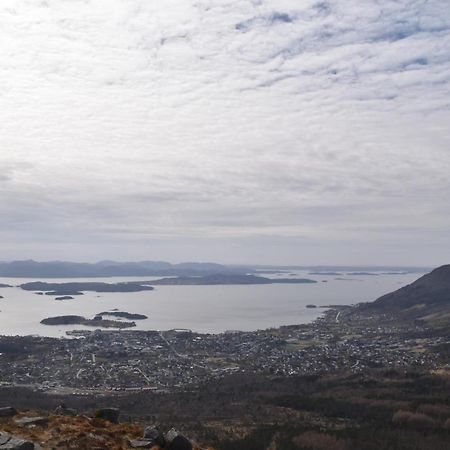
(216, 121)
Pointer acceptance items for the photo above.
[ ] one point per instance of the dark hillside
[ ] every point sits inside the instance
(428, 298)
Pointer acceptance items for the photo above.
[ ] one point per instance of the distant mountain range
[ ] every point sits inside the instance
(64, 269)
(427, 299)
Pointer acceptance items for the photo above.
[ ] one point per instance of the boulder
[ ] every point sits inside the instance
(29, 421)
(63, 411)
(153, 434)
(110, 414)
(176, 441)
(8, 442)
(7, 411)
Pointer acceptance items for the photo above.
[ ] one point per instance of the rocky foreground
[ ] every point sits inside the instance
(65, 429)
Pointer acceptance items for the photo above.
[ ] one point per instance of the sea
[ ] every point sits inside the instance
(203, 309)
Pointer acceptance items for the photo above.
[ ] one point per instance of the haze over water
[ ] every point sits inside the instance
(206, 309)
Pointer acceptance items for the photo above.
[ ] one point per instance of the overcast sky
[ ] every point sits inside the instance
(258, 131)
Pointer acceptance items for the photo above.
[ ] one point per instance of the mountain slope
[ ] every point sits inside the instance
(427, 298)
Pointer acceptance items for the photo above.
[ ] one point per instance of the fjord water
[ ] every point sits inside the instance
(206, 309)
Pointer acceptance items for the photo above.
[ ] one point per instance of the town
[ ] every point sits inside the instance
(103, 361)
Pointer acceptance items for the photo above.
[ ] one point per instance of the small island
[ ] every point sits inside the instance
(76, 288)
(2, 285)
(325, 273)
(97, 321)
(124, 315)
(64, 292)
(64, 297)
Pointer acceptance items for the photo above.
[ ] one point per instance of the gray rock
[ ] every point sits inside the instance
(176, 441)
(171, 435)
(110, 414)
(4, 437)
(154, 434)
(8, 442)
(7, 411)
(63, 411)
(142, 443)
(28, 421)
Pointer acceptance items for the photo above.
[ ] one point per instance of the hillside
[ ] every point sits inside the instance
(427, 299)
(66, 430)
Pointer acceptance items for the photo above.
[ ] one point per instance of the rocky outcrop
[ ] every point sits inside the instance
(67, 430)
(155, 435)
(173, 440)
(63, 411)
(9, 442)
(176, 441)
(32, 421)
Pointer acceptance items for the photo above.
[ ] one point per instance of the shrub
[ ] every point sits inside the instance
(413, 420)
(438, 410)
(313, 440)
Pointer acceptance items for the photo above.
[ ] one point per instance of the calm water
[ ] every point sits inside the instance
(211, 309)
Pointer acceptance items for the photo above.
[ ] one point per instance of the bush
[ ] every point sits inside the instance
(312, 440)
(413, 420)
(438, 410)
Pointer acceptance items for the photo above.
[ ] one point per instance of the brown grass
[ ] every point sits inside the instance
(319, 441)
(76, 433)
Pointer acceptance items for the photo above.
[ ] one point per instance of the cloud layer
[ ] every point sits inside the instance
(313, 131)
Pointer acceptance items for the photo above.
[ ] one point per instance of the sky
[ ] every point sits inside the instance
(248, 131)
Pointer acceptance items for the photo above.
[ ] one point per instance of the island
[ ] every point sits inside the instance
(64, 292)
(363, 273)
(123, 315)
(325, 273)
(224, 279)
(2, 285)
(76, 288)
(97, 321)
(64, 297)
